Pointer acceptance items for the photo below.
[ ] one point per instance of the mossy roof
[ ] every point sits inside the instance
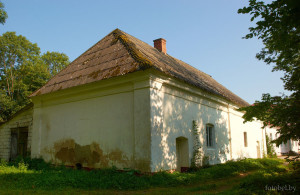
(120, 53)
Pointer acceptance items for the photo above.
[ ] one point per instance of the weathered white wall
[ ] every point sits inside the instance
(255, 136)
(284, 147)
(23, 119)
(174, 107)
(97, 125)
(295, 146)
(133, 122)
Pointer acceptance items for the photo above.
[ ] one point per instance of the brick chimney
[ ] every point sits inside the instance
(160, 45)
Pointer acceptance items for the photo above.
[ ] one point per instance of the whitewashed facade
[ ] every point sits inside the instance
(124, 103)
(283, 148)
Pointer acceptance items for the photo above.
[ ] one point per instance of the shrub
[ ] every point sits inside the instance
(270, 147)
(33, 164)
(3, 162)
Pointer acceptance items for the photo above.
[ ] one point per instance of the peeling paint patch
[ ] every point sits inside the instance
(71, 153)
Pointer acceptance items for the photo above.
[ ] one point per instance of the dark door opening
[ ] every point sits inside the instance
(182, 154)
(19, 141)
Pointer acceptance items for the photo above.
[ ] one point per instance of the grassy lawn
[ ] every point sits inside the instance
(247, 176)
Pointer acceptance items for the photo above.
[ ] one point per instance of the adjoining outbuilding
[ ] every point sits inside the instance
(131, 105)
(15, 134)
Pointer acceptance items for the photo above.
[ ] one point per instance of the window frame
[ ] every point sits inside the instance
(245, 139)
(210, 135)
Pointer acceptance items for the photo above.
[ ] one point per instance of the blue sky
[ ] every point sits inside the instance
(205, 34)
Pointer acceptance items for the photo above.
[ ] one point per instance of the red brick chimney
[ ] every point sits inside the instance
(160, 45)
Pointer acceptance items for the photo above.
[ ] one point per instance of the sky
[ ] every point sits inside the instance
(205, 34)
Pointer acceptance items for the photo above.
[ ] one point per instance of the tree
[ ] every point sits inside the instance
(55, 61)
(16, 51)
(278, 26)
(23, 70)
(3, 14)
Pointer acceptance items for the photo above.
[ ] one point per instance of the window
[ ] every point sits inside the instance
(245, 140)
(209, 135)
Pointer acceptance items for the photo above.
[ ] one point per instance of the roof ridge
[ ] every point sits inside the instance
(37, 91)
(131, 54)
(189, 65)
(132, 49)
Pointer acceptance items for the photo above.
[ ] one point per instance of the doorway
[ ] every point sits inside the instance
(19, 141)
(258, 149)
(182, 154)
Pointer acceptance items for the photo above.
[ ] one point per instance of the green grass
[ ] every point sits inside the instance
(34, 175)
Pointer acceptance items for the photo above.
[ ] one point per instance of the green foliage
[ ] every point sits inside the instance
(3, 162)
(270, 148)
(260, 181)
(27, 173)
(3, 14)
(23, 70)
(278, 26)
(32, 164)
(55, 61)
(197, 154)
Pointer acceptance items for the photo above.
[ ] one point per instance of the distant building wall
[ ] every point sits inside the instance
(283, 148)
(255, 146)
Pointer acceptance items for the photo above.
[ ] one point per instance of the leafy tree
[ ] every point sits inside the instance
(278, 26)
(16, 51)
(55, 61)
(3, 14)
(23, 70)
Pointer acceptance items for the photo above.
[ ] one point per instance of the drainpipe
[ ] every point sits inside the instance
(229, 128)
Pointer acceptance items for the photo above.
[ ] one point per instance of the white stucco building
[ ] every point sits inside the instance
(284, 148)
(128, 104)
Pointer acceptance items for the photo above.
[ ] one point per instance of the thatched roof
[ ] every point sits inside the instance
(120, 53)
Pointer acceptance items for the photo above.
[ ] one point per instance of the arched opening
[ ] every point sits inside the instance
(182, 154)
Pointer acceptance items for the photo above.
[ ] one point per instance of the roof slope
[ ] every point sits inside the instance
(120, 53)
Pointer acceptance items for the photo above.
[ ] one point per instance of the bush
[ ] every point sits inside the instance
(3, 163)
(32, 164)
(270, 147)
